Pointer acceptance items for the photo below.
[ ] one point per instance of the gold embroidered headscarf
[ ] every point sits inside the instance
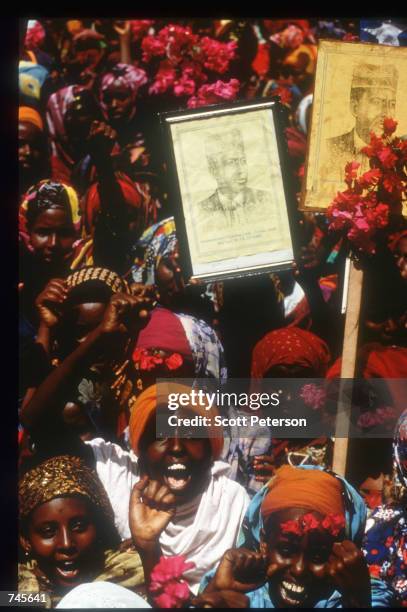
(61, 476)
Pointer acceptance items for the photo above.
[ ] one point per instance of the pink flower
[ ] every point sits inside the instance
(152, 47)
(179, 590)
(139, 27)
(214, 93)
(169, 568)
(164, 79)
(165, 601)
(215, 55)
(367, 419)
(389, 126)
(313, 396)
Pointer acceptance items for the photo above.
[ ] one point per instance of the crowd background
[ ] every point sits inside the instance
(98, 249)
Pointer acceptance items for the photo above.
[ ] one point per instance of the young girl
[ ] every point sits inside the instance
(67, 533)
(299, 548)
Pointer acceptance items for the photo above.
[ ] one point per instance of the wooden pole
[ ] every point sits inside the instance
(354, 298)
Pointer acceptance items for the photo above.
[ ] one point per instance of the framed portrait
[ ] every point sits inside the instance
(356, 85)
(233, 206)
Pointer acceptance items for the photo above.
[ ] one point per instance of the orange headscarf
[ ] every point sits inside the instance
(30, 115)
(298, 488)
(156, 395)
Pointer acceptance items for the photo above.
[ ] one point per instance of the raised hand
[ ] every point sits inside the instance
(50, 300)
(240, 570)
(349, 573)
(101, 138)
(126, 312)
(152, 506)
(122, 28)
(263, 466)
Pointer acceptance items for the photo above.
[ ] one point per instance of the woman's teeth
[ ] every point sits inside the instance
(67, 569)
(289, 589)
(177, 476)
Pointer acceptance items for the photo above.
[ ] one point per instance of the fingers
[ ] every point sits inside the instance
(154, 494)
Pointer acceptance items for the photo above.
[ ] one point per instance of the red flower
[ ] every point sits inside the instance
(351, 169)
(389, 126)
(309, 522)
(387, 157)
(370, 178)
(139, 27)
(284, 94)
(164, 79)
(174, 361)
(291, 527)
(216, 55)
(334, 523)
(152, 47)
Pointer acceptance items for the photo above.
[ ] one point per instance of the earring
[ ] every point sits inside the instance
(27, 554)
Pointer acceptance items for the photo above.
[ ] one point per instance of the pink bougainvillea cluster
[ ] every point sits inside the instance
(186, 64)
(363, 208)
(170, 590)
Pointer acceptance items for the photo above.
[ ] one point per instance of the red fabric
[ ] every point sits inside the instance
(261, 62)
(164, 331)
(288, 346)
(379, 361)
(130, 193)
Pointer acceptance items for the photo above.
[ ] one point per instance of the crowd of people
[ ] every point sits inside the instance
(111, 515)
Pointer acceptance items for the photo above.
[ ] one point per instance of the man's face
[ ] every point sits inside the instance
(370, 110)
(230, 171)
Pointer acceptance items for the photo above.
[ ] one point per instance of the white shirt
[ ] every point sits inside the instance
(202, 530)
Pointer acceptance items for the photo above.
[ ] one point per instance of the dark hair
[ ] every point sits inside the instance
(45, 195)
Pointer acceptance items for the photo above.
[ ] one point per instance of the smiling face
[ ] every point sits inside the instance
(62, 536)
(182, 464)
(52, 235)
(301, 559)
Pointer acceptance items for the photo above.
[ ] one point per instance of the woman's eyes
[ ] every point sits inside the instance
(287, 550)
(79, 525)
(47, 531)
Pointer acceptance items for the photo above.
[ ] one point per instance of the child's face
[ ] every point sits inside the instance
(301, 559)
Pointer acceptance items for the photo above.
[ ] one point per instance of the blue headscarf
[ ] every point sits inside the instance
(355, 517)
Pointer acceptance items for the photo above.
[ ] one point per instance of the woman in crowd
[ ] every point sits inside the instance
(67, 533)
(49, 222)
(385, 543)
(69, 309)
(32, 148)
(299, 547)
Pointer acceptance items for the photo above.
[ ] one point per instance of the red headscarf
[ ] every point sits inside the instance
(164, 331)
(289, 346)
(132, 195)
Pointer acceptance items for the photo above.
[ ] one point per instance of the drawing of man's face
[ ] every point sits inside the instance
(370, 106)
(227, 163)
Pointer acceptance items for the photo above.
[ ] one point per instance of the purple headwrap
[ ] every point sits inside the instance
(122, 75)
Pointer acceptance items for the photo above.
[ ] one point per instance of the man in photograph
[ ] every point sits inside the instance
(372, 98)
(233, 203)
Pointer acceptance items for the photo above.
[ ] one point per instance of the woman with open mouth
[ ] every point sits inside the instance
(183, 502)
(300, 548)
(67, 533)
